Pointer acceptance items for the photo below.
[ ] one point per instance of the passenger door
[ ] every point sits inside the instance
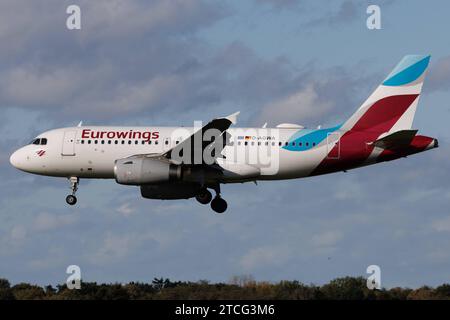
(68, 147)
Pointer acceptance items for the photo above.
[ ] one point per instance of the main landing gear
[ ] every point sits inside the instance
(204, 196)
(71, 199)
(218, 204)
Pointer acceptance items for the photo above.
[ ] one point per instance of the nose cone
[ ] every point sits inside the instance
(15, 160)
(19, 160)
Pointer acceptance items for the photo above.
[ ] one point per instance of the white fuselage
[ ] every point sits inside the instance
(91, 152)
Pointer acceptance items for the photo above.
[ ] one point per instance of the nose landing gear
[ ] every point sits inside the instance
(71, 199)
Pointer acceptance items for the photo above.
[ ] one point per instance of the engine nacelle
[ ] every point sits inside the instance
(142, 170)
(170, 190)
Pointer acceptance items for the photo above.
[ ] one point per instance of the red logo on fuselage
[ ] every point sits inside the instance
(130, 134)
(40, 153)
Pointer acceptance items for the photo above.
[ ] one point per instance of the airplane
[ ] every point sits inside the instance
(185, 162)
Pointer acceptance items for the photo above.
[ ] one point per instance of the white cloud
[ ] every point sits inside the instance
(348, 188)
(157, 91)
(126, 209)
(442, 225)
(302, 105)
(439, 75)
(326, 239)
(264, 256)
(46, 221)
(18, 233)
(116, 247)
(25, 86)
(124, 18)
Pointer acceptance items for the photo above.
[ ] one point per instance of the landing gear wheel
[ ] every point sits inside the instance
(219, 205)
(204, 197)
(70, 199)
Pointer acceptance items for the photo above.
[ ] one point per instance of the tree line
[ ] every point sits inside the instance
(240, 287)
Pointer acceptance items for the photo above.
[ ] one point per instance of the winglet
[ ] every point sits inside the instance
(233, 117)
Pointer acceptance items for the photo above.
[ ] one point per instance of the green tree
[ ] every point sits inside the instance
(25, 291)
(5, 290)
(443, 291)
(347, 288)
(423, 293)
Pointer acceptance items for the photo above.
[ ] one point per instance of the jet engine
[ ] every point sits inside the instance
(144, 170)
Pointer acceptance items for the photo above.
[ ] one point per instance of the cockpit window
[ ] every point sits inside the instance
(39, 141)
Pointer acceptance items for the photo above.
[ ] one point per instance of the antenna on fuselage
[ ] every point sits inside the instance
(80, 124)
(264, 125)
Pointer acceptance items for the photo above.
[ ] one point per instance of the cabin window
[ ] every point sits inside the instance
(116, 142)
(314, 144)
(246, 143)
(123, 141)
(307, 144)
(300, 144)
(82, 141)
(129, 141)
(143, 141)
(109, 141)
(293, 143)
(286, 143)
(103, 141)
(149, 141)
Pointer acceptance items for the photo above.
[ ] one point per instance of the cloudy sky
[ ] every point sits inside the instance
(173, 62)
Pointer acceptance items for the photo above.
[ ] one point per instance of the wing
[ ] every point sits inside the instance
(192, 149)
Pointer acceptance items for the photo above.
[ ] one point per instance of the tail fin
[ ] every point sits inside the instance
(392, 106)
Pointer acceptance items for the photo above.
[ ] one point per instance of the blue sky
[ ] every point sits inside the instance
(170, 63)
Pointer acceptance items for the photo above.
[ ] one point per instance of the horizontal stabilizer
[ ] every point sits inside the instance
(396, 140)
